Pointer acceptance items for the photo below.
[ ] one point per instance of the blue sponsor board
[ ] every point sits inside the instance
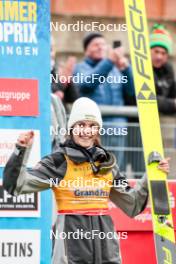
(25, 55)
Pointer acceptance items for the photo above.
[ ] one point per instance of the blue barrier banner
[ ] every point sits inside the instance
(25, 221)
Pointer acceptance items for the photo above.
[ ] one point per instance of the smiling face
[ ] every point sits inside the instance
(97, 49)
(85, 133)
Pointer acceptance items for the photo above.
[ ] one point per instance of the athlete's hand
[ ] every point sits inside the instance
(164, 165)
(26, 139)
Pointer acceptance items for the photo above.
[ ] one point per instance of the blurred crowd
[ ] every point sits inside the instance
(105, 75)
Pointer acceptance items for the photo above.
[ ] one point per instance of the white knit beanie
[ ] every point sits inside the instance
(85, 109)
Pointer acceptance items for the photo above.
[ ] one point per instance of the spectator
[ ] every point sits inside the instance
(62, 84)
(58, 115)
(66, 74)
(161, 47)
(58, 121)
(97, 66)
(96, 72)
(56, 87)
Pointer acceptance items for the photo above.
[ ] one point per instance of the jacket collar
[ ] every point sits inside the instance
(91, 61)
(79, 154)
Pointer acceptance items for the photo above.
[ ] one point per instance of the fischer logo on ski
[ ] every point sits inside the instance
(150, 131)
(168, 256)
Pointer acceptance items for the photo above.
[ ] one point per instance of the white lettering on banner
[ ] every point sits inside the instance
(24, 205)
(18, 96)
(19, 51)
(5, 107)
(18, 33)
(18, 25)
(20, 246)
(28, 198)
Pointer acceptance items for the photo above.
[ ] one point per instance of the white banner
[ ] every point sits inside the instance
(8, 138)
(20, 246)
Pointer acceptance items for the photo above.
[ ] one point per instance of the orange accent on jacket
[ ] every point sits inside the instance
(82, 192)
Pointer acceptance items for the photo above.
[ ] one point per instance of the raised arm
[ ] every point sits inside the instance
(17, 179)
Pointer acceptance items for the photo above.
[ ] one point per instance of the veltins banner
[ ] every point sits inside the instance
(25, 221)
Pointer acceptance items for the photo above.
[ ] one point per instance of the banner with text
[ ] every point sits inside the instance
(25, 105)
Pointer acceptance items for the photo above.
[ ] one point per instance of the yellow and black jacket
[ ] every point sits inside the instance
(82, 182)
